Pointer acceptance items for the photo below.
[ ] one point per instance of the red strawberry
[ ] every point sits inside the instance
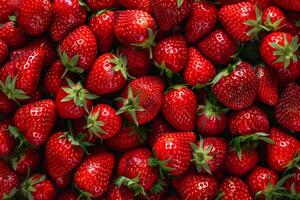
(7, 142)
(201, 21)
(279, 50)
(179, 107)
(108, 74)
(67, 16)
(135, 172)
(38, 187)
(36, 120)
(218, 46)
(198, 70)
(295, 181)
(288, 75)
(173, 153)
(273, 18)
(141, 99)
(63, 182)
(68, 195)
(282, 151)
(5, 11)
(13, 36)
(94, 173)
(209, 154)
(145, 5)
(288, 108)
(171, 54)
(259, 3)
(8, 180)
(241, 20)
(34, 17)
(119, 193)
(234, 188)
(3, 52)
(100, 5)
(6, 105)
(236, 86)
(169, 14)
(102, 25)
(288, 4)
(195, 187)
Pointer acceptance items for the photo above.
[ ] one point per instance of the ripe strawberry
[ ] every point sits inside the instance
(198, 70)
(9, 181)
(279, 50)
(67, 16)
(108, 74)
(6, 105)
(234, 188)
(241, 20)
(13, 36)
(195, 187)
(173, 153)
(236, 86)
(5, 11)
(68, 195)
(38, 187)
(288, 4)
(282, 151)
(100, 5)
(145, 5)
(273, 18)
(218, 46)
(96, 181)
(7, 142)
(294, 181)
(36, 120)
(201, 21)
(169, 14)
(171, 54)
(179, 107)
(3, 52)
(288, 108)
(34, 17)
(120, 193)
(63, 181)
(288, 75)
(141, 99)
(102, 25)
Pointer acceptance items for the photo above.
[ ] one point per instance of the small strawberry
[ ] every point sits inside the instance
(273, 18)
(3, 52)
(13, 36)
(120, 193)
(144, 5)
(179, 107)
(100, 5)
(7, 142)
(234, 188)
(9, 181)
(288, 4)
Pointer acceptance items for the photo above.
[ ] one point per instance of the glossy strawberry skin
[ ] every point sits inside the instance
(6, 105)
(7, 143)
(8, 179)
(43, 190)
(119, 193)
(211, 126)
(235, 188)
(29, 160)
(5, 11)
(100, 5)
(288, 4)
(13, 36)
(144, 5)
(288, 75)
(3, 52)
(274, 14)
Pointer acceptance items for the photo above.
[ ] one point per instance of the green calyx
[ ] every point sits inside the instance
(225, 72)
(83, 4)
(83, 195)
(120, 63)
(10, 90)
(69, 64)
(130, 105)
(149, 43)
(273, 26)
(27, 187)
(210, 110)
(78, 94)
(140, 131)
(255, 24)
(175, 87)
(164, 70)
(293, 164)
(132, 184)
(287, 52)
(179, 3)
(11, 195)
(161, 164)
(76, 141)
(158, 187)
(94, 125)
(18, 136)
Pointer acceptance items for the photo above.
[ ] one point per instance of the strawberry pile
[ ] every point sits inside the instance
(149, 99)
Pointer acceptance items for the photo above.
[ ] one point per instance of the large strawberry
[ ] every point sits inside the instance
(36, 120)
(287, 110)
(234, 188)
(144, 5)
(141, 99)
(95, 182)
(7, 141)
(9, 181)
(3, 52)
(12, 35)
(288, 4)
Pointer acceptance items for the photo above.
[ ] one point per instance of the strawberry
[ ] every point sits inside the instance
(3, 52)
(141, 99)
(195, 186)
(95, 182)
(6, 105)
(7, 143)
(279, 50)
(38, 187)
(135, 172)
(273, 18)
(218, 46)
(9, 181)
(288, 75)
(145, 5)
(108, 74)
(288, 4)
(102, 24)
(67, 16)
(5, 11)
(172, 152)
(63, 181)
(282, 151)
(294, 181)
(234, 188)
(68, 195)
(201, 21)
(179, 107)
(236, 86)
(171, 54)
(100, 5)
(36, 120)
(288, 108)
(241, 20)
(209, 154)
(198, 70)
(34, 17)
(73, 101)
(119, 193)
(169, 14)
(13, 36)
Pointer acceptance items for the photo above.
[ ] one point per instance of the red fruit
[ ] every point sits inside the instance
(7, 141)
(198, 70)
(173, 153)
(36, 120)
(5, 11)
(171, 54)
(8, 181)
(63, 181)
(68, 195)
(27, 160)
(288, 108)
(201, 21)
(3, 52)
(103, 4)
(13, 36)
(295, 180)
(67, 16)
(240, 20)
(144, 5)
(141, 99)
(102, 25)
(237, 86)
(273, 18)
(195, 187)
(234, 188)
(282, 151)
(288, 4)
(119, 193)
(34, 17)
(218, 46)
(169, 14)
(94, 173)
(288, 75)
(6, 105)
